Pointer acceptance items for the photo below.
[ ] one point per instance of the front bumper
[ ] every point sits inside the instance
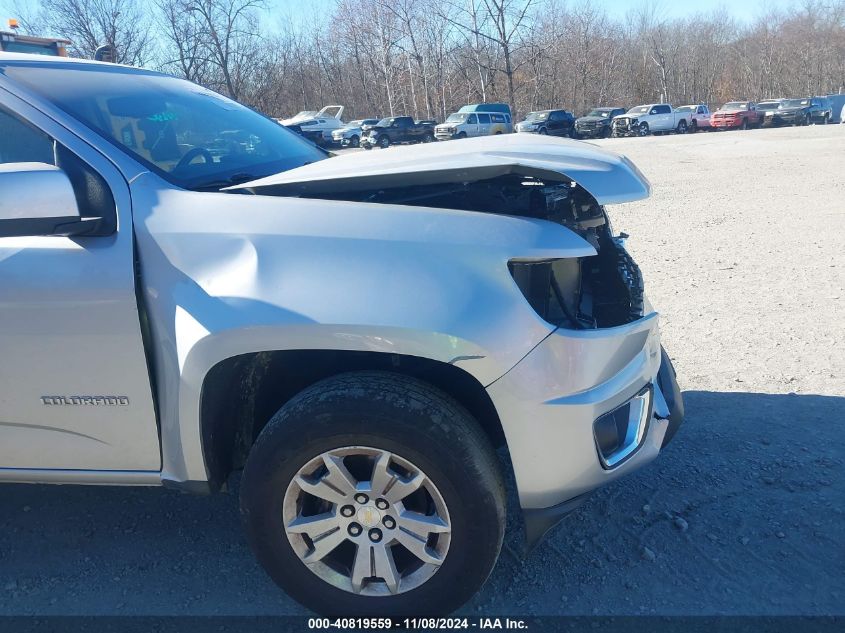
(548, 405)
(726, 123)
(625, 127)
(591, 132)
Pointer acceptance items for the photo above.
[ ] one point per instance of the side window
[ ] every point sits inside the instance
(484, 118)
(556, 116)
(472, 119)
(663, 109)
(498, 118)
(22, 143)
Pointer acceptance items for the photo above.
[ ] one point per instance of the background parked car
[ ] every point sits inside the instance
(653, 118)
(699, 116)
(350, 134)
(837, 108)
(736, 114)
(551, 122)
(397, 129)
(800, 112)
(596, 123)
(466, 124)
(768, 110)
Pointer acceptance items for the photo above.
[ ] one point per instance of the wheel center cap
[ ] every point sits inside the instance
(368, 516)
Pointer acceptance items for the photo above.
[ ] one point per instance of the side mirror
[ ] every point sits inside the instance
(38, 199)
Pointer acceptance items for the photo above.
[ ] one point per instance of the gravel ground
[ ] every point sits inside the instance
(742, 249)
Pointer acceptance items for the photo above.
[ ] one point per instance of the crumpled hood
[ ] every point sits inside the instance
(609, 177)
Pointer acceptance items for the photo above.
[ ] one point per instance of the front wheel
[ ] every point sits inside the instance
(542, 131)
(354, 141)
(384, 141)
(428, 138)
(643, 129)
(693, 128)
(682, 127)
(374, 494)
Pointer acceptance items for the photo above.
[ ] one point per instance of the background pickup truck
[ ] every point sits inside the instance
(736, 114)
(655, 118)
(699, 116)
(395, 130)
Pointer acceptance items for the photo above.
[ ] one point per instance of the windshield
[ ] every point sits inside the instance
(686, 109)
(457, 117)
(601, 113)
(536, 116)
(795, 103)
(639, 110)
(735, 105)
(191, 136)
(357, 123)
(385, 122)
(769, 105)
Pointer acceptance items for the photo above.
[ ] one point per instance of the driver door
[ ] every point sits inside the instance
(75, 393)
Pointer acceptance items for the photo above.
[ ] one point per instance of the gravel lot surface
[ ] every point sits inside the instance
(742, 249)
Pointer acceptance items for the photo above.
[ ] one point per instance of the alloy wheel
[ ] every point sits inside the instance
(367, 521)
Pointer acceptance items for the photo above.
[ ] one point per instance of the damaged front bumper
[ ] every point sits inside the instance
(625, 127)
(560, 403)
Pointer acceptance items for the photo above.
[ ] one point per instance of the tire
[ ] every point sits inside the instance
(693, 128)
(682, 127)
(368, 146)
(573, 133)
(542, 131)
(354, 141)
(643, 129)
(364, 416)
(428, 138)
(384, 141)
(607, 132)
(826, 119)
(461, 135)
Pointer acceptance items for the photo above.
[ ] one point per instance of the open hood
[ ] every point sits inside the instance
(610, 178)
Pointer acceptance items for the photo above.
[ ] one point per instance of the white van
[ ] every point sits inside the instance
(466, 124)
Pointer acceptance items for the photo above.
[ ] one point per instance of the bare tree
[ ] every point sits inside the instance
(89, 24)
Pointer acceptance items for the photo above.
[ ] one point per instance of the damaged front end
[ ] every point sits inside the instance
(601, 291)
(517, 175)
(626, 126)
(591, 401)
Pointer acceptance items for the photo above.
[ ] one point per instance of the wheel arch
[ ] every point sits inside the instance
(240, 394)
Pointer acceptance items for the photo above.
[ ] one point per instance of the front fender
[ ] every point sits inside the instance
(228, 274)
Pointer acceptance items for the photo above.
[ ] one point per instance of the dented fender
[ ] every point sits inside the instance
(224, 275)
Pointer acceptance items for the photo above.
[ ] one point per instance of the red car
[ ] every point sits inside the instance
(736, 114)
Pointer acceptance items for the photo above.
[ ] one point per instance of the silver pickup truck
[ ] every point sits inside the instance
(188, 289)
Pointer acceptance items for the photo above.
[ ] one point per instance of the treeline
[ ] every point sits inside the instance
(427, 57)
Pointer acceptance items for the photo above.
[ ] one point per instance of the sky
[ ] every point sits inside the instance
(741, 10)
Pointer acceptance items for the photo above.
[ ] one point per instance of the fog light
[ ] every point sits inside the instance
(620, 432)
